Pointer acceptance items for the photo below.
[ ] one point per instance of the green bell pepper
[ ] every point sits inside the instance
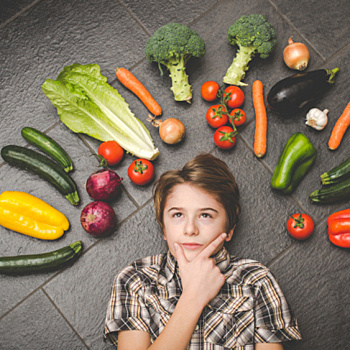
(296, 159)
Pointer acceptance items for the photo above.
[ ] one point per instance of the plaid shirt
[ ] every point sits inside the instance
(250, 307)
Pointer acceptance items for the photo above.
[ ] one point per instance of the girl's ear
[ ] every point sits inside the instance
(230, 234)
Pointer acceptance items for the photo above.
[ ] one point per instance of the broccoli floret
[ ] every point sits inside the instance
(173, 45)
(252, 34)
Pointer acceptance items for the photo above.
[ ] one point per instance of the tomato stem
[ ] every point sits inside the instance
(140, 167)
(299, 222)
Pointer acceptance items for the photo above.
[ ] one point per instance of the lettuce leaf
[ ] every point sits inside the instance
(87, 104)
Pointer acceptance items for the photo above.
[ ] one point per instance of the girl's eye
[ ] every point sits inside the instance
(206, 215)
(177, 215)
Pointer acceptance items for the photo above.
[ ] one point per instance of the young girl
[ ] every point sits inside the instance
(198, 296)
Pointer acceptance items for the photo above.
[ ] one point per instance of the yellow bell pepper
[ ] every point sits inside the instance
(31, 216)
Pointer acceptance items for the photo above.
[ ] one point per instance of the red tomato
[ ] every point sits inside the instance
(141, 172)
(217, 116)
(111, 152)
(225, 137)
(234, 96)
(238, 116)
(300, 226)
(209, 90)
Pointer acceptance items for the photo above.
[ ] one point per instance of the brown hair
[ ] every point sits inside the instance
(208, 173)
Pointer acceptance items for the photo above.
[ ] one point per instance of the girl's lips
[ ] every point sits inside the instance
(191, 246)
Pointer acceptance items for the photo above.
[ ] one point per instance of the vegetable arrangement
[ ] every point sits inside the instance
(87, 104)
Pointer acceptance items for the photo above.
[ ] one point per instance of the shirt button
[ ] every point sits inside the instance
(196, 328)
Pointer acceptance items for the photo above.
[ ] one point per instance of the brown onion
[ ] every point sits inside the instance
(296, 55)
(171, 130)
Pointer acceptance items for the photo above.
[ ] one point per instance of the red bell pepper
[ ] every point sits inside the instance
(339, 228)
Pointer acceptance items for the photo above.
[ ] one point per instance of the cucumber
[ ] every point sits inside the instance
(46, 168)
(332, 193)
(49, 146)
(26, 264)
(337, 174)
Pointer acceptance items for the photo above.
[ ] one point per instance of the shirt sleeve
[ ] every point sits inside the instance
(274, 318)
(126, 309)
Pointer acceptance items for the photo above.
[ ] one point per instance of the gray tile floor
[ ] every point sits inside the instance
(66, 310)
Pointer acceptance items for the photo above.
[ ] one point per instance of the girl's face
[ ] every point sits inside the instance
(193, 218)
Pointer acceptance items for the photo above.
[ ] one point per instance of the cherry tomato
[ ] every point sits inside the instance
(217, 116)
(141, 172)
(233, 96)
(300, 226)
(209, 90)
(238, 116)
(111, 152)
(225, 137)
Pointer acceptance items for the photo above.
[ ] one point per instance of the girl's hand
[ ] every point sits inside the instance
(201, 279)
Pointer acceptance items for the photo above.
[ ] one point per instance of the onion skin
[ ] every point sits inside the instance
(171, 131)
(296, 55)
(103, 185)
(98, 219)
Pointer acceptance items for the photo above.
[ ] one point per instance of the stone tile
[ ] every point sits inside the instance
(167, 11)
(322, 24)
(51, 35)
(45, 327)
(92, 277)
(313, 275)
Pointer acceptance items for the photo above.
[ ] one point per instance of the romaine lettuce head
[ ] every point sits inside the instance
(87, 104)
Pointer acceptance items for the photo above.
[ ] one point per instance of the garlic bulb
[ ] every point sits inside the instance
(316, 118)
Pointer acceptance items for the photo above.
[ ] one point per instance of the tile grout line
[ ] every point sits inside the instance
(135, 18)
(18, 14)
(64, 317)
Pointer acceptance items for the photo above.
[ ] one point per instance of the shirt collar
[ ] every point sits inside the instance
(222, 260)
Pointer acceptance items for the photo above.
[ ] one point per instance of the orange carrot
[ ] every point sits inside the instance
(134, 85)
(260, 119)
(339, 129)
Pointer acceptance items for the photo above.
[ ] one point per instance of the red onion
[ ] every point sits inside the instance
(103, 184)
(98, 219)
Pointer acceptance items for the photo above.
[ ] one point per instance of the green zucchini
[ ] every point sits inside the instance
(332, 193)
(34, 263)
(49, 146)
(46, 168)
(337, 174)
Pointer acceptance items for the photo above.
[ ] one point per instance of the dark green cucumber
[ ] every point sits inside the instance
(337, 174)
(34, 263)
(49, 146)
(332, 193)
(46, 168)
